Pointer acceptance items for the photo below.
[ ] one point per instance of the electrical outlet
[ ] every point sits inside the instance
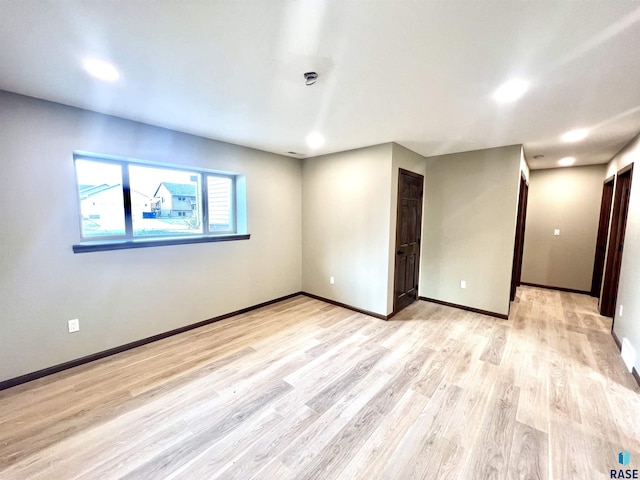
(332, 280)
(463, 284)
(74, 325)
(621, 308)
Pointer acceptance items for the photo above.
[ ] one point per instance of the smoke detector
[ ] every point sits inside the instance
(310, 78)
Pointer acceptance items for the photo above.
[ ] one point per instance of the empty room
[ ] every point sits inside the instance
(319, 239)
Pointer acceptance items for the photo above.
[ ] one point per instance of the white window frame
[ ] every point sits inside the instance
(128, 239)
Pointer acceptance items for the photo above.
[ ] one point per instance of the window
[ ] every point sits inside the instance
(150, 183)
(131, 204)
(220, 201)
(101, 199)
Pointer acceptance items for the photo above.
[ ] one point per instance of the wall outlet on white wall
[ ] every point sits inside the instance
(332, 280)
(556, 232)
(74, 325)
(463, 284)
(621, 309)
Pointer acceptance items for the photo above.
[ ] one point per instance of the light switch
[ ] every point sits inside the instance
(556, 232)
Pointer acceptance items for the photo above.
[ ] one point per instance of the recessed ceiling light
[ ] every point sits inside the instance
(566, 161)
(510, 91)
(100, 69)
(315, 140)
(575, 135)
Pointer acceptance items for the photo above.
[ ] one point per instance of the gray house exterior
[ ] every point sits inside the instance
(176, 199)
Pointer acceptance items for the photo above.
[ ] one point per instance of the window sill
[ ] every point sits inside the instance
(100, 246)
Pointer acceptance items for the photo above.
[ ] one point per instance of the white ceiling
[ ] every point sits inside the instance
(420, 73)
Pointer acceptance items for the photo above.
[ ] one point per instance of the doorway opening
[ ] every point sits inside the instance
(518, 248)
(408, 225)
(603, 230)
(616, 241)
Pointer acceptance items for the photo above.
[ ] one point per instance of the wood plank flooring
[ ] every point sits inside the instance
(306, 390)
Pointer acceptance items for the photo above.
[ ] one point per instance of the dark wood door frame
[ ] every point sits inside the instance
(408, 241)
(616, 242)
(603, 230)
(518, 247)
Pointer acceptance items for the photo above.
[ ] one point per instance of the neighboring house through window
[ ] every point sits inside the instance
(178, 199)
(125, 200)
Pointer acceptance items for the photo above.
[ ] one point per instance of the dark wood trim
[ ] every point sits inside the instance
(634, 372)
(12, 382)
(606, 204)
(101, 246)
(562, 289)
(624, 170)
(410, 173)
(402, 171)
(615, 244)
(617, 340)
(464, 307)
(349, 307)
(518, 244)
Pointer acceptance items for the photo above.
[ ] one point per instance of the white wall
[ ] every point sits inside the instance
(346, 204)
(567, 199)
(628, 325)
(469, 224)
(469, 215)
(115, 293)
(524, 166)
(333, 215)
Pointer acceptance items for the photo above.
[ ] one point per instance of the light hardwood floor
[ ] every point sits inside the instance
(302, 389)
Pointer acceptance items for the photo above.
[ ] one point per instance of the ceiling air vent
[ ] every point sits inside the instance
(310, 78)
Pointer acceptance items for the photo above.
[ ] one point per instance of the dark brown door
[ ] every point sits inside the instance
(601, 242)
(409, 221)
(518, 248)
(616, 241)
